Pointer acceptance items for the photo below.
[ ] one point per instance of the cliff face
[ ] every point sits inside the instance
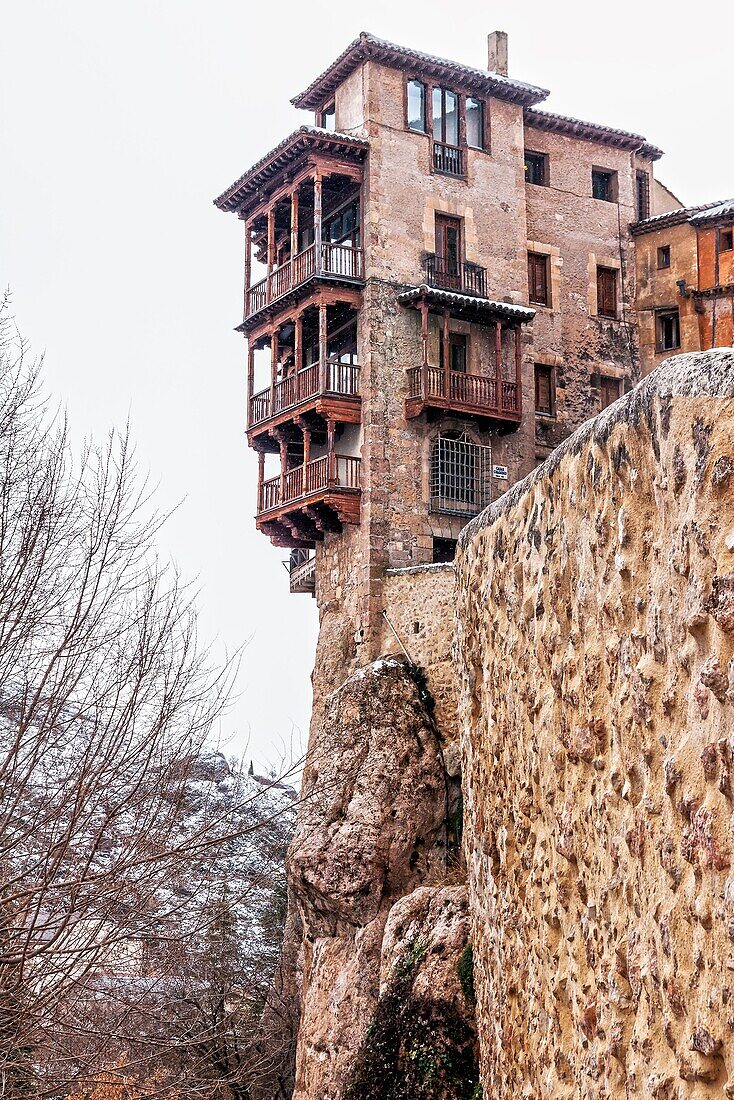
(595, 646)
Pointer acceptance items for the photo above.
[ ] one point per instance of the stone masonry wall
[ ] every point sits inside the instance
(595, 639)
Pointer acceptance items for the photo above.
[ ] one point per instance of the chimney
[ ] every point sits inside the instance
(497, 52)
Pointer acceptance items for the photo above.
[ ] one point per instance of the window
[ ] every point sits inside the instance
(460, 475)
(725, 240)
(457, 352)
(327, 118)
(538, 282)
(341, 226)
(642, 185)
(417, 106)
(444, 550)
(606, 292)
(668, 326)
(663, 257)
(545, 390)
(448, 252)
(474, 123)
(536, 168)
(445, 116)
(610, 389)
(604, 184)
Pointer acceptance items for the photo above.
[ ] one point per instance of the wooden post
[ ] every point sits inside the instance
(306, 456)
(294, 225)
(271, 249)
(298, 353)
(330, 432)
(273, 368)
(248, 266)
(498, 364)
(260, 479)
(518, 369)
(250, 378)
(283, 466)
(446, 356)
(424, 338)
(323, 347)
(317, 220)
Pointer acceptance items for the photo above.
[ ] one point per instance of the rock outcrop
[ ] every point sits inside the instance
(595, 642)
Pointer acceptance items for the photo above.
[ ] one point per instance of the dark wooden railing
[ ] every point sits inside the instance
(329, 471)
(340, 261)
(461, 278)
(472, 391)
(339, 378)
(448, 159)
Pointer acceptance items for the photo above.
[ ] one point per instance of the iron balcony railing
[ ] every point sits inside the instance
(462, 278)
(336, 378)
(339, 261)
(448, 159)
(476, 392)
(331, 471)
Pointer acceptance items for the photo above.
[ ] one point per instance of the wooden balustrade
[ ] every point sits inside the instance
(448, 159)
(340, 261)
(324, 473)
(470, 391)
(260, 406)
(289, 392)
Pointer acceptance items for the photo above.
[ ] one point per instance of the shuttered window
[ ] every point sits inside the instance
(610, 390)
(545, 404)
(538, 282)
(606, 292)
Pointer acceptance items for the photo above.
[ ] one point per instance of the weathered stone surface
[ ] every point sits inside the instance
(371, 828)
(594, 643)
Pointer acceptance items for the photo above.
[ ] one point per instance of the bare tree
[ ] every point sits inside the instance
(106, 702)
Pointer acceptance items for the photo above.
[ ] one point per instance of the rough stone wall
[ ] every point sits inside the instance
(595, 634)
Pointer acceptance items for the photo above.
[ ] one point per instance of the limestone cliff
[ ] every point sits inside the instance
(595, 644)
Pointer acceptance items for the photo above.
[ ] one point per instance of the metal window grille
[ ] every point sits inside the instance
(460, 476)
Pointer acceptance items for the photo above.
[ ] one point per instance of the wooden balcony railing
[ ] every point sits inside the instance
(448, 159)
(328, 472)
(469, 391)
(336, 378)
(461, 278)
(340, 261)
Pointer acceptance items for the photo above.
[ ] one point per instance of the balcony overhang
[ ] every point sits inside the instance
(467, 307)
(308, 141)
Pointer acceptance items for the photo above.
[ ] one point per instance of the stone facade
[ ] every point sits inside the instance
(595, 642)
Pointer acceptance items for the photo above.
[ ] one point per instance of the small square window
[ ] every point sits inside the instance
(668, 326)
(536, 168)
(327, 118)
(545, 390)
(444, 550)
(663, 257)
(610, 389)
(726, 240)
(604, 184)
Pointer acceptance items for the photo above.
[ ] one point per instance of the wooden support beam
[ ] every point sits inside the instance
(250, 378)
(317, 199)
(294, 223)
(306, 455)
(260, 478)
(498, 363)
(330, 440)
(424, 341)
(271, 246)
(298, 352)
(273, 367)
(323, 347)
(446, 356)
(248, 266)
(518, 367)
(283, 466)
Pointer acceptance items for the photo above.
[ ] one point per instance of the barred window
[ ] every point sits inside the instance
(460, 475)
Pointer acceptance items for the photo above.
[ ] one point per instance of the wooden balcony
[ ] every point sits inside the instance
(461, 278)
(298, 506)
(331, 262)
(448, 159)
(302, 571)
(458, 392)
(330, 389)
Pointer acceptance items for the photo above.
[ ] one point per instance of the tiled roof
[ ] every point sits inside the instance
(470, 303)
(590, 131)
(292, 147)
(367, 46)
(694, 214)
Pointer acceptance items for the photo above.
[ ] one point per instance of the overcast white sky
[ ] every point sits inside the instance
(120, 123)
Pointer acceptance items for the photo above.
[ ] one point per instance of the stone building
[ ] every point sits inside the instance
(685, 281)
(439, 289)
